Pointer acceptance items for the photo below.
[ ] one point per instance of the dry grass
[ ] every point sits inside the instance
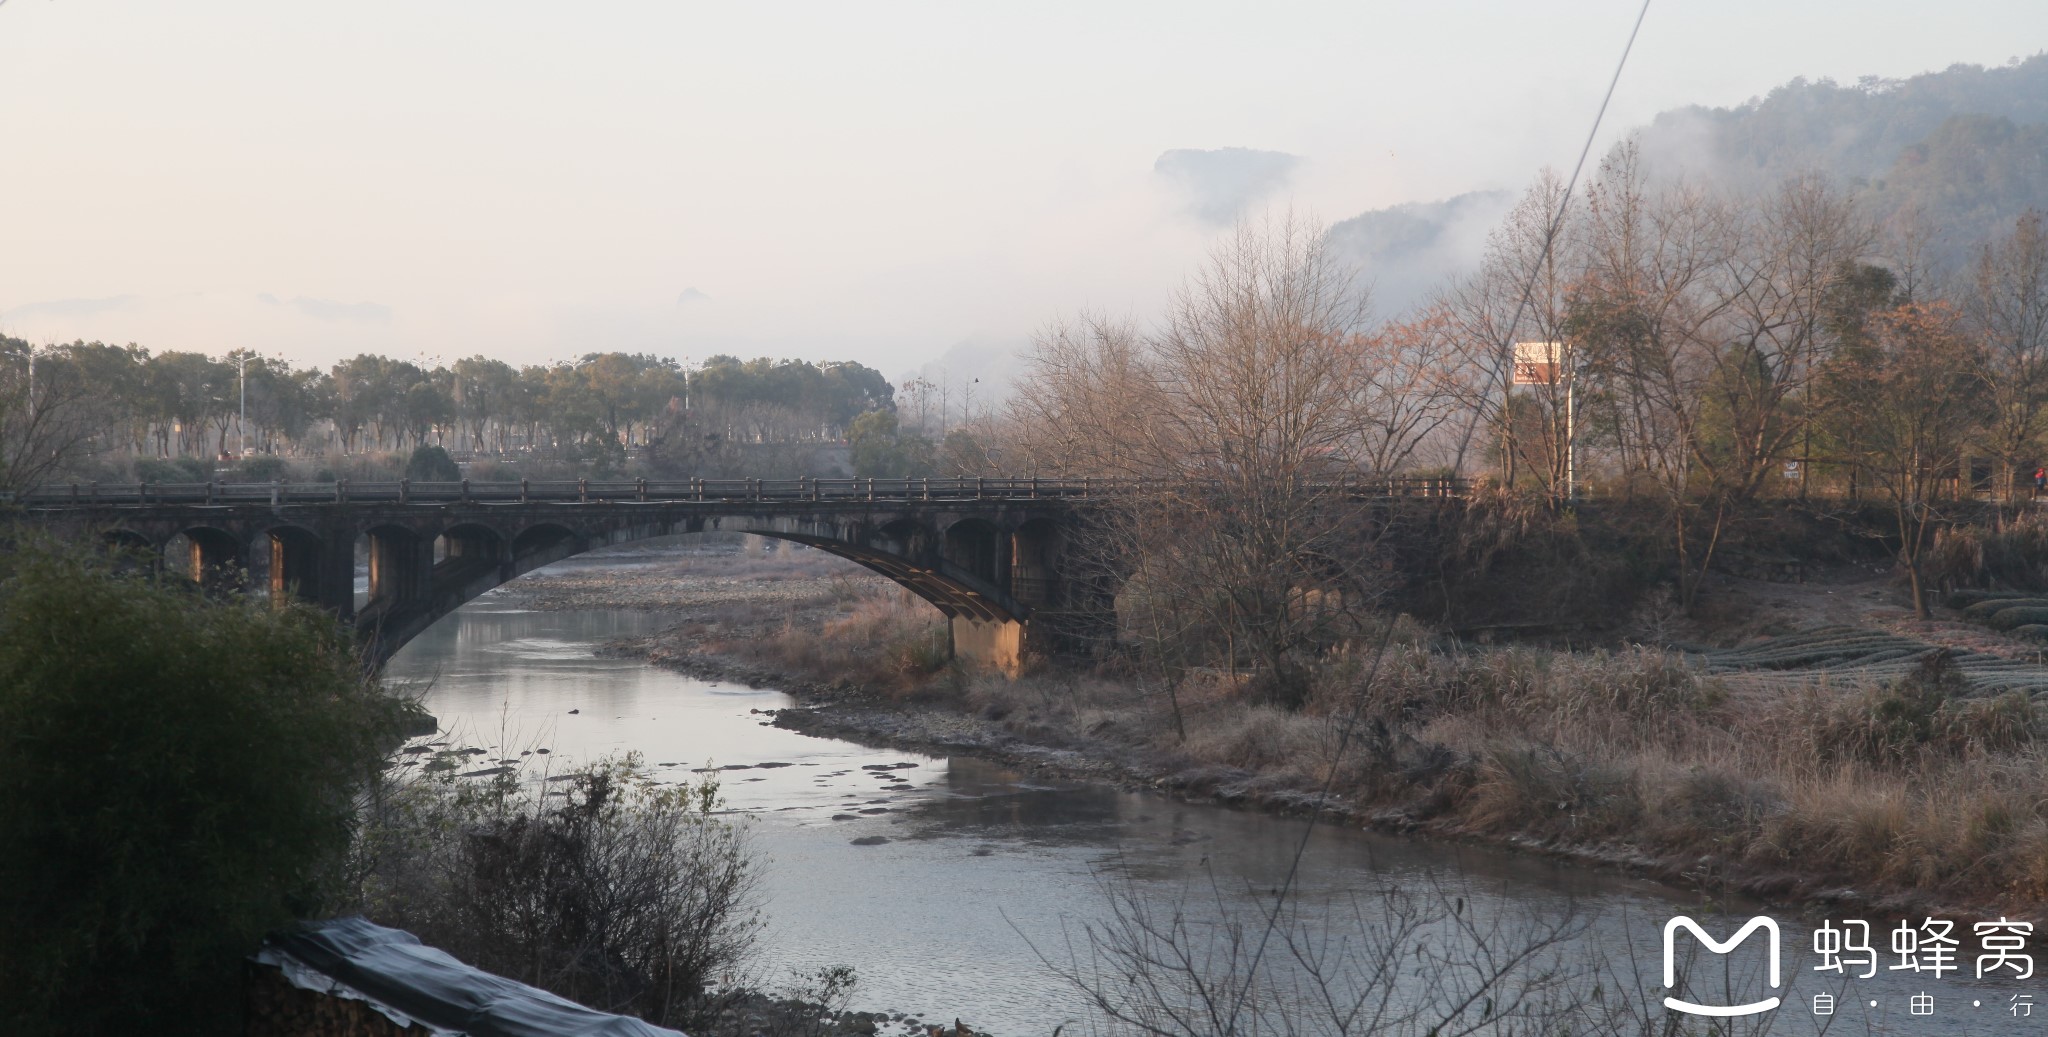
(864, 630)
(1908, 785)
(1900, 787)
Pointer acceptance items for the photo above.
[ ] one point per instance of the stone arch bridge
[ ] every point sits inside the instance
(996, 556)
(986, 552)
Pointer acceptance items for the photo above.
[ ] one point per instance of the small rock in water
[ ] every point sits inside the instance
(541, 752)
(573, 711)
(875, 810)
(768, 766)
(845, 817)
(737, 767)
(871, 840)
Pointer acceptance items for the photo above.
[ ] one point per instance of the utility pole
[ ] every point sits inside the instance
(242, 423)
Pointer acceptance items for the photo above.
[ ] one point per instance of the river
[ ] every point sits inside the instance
(936, 878)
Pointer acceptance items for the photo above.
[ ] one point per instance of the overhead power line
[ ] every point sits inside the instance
(1357, 707)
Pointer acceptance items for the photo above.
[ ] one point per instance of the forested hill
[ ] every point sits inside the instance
(1967, 147)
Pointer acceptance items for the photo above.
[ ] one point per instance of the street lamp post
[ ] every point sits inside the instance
(242, 423)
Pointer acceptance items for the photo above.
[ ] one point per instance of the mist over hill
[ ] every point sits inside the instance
(1960, 152)
(1408, 250)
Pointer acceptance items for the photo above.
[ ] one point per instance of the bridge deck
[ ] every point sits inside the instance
(692, 490)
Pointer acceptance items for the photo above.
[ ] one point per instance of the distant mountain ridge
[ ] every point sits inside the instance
(1966, 149)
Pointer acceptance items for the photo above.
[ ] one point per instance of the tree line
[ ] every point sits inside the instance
(65, 403)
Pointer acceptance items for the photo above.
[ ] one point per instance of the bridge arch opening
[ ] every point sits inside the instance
(211, 557)
(131, 551)
(545, 543)
(468, 545)
(399, 562)
(1034, 563)
(291, 557)
(975, 547)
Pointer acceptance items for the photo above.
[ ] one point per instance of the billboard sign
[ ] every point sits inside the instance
(1539, 363)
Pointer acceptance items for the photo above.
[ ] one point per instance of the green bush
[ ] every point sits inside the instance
(174, 469)
(262, 468)
(176, 779)
(1963, 599)
(1984, 610)
(432, 464)
(2018, 616)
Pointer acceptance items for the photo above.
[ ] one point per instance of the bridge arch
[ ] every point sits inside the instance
(294, 570)
(122, 539)
(209, 555)
(469, 543)
(975, 547)
(1035, 550)
(547, 539)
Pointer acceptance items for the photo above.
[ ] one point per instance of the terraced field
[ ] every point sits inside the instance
(1847, 654)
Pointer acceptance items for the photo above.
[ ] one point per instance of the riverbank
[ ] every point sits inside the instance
(1843, 796)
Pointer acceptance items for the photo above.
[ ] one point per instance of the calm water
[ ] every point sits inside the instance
(980, 864)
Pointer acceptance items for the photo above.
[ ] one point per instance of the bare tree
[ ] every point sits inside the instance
(1421, 960)
(1909, 397)
(2007, 309)
(1790, 255)
(1648, 321)
(46, 412)
(1251, 411)
(1531, 253)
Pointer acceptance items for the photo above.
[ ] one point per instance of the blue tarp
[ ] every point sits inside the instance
(393, 970)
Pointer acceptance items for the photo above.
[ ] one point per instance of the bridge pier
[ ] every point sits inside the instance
(1000, 644)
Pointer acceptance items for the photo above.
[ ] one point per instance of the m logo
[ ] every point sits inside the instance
(1718, 947)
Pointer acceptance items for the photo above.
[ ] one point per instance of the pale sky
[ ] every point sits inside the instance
(847, 180)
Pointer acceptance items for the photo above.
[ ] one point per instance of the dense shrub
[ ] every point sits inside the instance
(176, 779)
(262, 468)
(1925, 712)
(432, 464)
(1982, 611)
(1975, 556)
(613, 891)
(2018, 616)
(174, 469)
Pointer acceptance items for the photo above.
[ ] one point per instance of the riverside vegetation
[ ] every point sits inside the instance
(1908, 790)
(184, 773)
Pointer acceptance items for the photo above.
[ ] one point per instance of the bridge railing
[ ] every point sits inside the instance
(667, 491)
